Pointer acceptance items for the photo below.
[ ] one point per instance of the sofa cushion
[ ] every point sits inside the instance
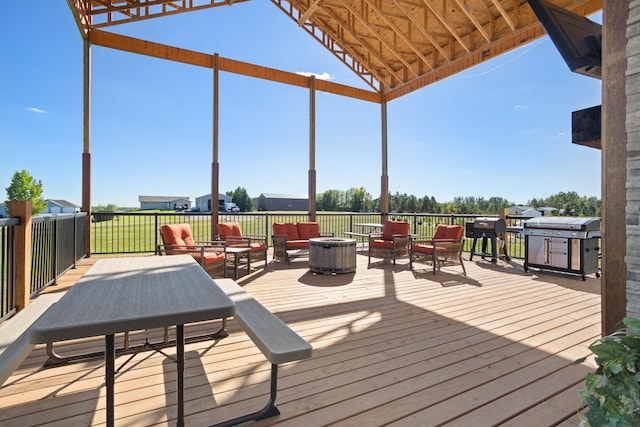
(394, 227)
(229, 229)
(287, 228)
(308, 230)
(297, 244)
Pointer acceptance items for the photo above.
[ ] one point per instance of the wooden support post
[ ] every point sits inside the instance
(22, 209)
(86, 142)
(312, 149)
(384, 179)
(614, 158)
(215, 164)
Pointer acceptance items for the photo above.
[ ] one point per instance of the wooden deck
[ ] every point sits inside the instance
(391, 347)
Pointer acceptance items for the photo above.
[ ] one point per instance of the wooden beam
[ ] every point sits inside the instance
(162, 51)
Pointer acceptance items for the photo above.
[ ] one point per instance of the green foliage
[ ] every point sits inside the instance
(352, 200)
(108, 208)
(570, 204)
(25, 187)
(613, 391)
(241, 198)
(359, 200)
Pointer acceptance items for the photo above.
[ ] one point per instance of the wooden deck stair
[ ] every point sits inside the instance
(391, 347)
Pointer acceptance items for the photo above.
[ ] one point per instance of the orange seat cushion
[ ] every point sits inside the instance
(257, 247)
(177, 234)
(394, 227)
(210, 257)
(308, 230)
(423, 249)
(229, 229)
(381, 243)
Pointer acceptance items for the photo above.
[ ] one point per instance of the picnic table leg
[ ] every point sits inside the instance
(110, 376)
(180, 369)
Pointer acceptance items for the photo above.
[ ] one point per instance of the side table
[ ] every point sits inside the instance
(238, 254)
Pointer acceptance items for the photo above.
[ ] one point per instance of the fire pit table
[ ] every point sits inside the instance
(330, 255)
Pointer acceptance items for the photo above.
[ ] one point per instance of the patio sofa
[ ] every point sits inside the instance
(291, 240)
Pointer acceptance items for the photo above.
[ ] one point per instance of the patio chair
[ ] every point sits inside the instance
(445, 246)
(177, 239)
(392, 242)
(231, 233)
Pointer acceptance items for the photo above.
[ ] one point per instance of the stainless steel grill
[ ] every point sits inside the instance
(564, 244)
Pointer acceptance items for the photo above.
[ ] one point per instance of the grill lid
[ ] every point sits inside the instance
(564, 223)
(493, 225)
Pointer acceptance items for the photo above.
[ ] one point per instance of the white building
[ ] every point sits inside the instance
(203, 203)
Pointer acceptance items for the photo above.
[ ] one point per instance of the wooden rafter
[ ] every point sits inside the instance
(400, 34)
(504, 14)
(445, 23)
(466, 11)
(310, 10)
(420, 27)
(374, 35)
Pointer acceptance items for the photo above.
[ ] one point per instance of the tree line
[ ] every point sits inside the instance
(23, 186)
(360, 200)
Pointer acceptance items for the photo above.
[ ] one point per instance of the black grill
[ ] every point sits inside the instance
(488, 229)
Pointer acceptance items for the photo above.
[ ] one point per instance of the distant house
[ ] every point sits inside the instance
(281, 202)
(164, 203)
(61, 206)
(203, 203)
(4, 211)
(529, 212)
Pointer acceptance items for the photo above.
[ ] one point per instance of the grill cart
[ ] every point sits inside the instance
(566, 244)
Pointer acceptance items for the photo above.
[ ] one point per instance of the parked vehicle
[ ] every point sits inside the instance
(229, 207)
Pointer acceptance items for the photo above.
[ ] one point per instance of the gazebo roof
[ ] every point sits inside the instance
(394, 46)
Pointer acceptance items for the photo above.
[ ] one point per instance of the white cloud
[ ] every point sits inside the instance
(323, 76)
(36, 110)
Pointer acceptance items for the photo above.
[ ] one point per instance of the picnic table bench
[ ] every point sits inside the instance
(279, 343)
(14, 333)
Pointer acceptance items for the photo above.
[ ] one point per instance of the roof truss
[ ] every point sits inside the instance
(394, 46)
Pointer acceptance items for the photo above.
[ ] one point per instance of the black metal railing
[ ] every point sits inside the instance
(139, 232)
(7, 266)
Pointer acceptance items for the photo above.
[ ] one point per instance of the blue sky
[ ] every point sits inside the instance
(151, 120)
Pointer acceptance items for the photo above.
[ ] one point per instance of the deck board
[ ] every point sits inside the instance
(391, 347)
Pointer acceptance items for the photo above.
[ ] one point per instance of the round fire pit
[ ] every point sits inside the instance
(332, 255)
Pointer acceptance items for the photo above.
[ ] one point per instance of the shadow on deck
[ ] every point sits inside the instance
(391, 347)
